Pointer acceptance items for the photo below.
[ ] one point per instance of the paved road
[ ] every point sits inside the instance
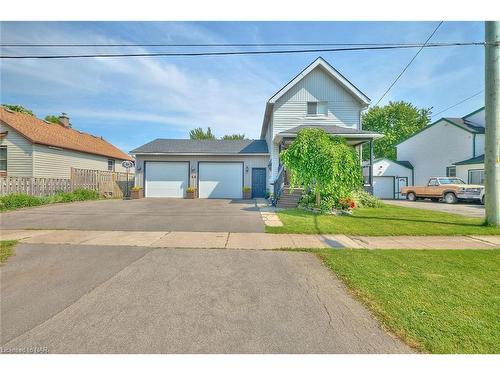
(466, 209)
(90, 299)
(152, 214)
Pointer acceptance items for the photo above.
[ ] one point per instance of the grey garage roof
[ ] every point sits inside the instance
(198, 146)
(330, 129)
(477, 160)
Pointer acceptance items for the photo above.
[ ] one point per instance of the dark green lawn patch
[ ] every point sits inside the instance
(438, 301)
(386, 220)
(6, 250)
(21, 200)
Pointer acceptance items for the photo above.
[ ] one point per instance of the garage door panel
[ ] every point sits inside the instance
(166, 179)
(220, 180)
(383, 187)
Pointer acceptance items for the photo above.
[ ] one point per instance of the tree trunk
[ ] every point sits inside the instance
(318, 198)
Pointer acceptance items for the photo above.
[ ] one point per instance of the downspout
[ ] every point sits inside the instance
(474, 145)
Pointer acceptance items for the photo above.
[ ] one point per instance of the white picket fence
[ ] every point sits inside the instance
(107, 184)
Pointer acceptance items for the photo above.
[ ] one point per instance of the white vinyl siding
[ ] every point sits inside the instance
(463, 170)
(290, 110)
(19, 153)
(434, 149)
(57, 162)
(257, 161)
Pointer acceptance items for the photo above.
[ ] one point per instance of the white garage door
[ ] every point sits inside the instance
(166, 179)
(220, 180)
(383, 187)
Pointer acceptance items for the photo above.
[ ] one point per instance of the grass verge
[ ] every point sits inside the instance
(20, 200)
(438, 301)
(386, 220)
(6, 250)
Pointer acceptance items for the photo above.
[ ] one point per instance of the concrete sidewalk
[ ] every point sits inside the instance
(255, 241)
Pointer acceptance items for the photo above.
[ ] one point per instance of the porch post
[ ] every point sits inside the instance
(371, 165)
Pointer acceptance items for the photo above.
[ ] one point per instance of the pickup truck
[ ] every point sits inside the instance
(450, 189)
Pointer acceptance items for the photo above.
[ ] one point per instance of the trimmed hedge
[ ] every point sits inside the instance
(20, 200)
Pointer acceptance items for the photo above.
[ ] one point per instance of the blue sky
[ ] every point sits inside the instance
(130, 101)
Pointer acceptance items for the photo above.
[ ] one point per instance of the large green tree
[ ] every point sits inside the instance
(18, 108)
(397, 121)
(324, 164)
(199, 133)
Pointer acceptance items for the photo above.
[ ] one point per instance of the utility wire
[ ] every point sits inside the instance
(408, 65)
(228, 53)
(200, 45)
(460, 102)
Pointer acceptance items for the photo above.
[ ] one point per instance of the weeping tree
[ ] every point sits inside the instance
(324, 164)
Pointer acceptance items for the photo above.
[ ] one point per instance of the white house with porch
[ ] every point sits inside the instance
(319, 96)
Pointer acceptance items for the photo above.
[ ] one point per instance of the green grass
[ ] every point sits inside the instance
(386, 220)
(6, 250)
(438, 301)
(20, 200)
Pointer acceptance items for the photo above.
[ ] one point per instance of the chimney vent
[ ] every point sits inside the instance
(64, 120)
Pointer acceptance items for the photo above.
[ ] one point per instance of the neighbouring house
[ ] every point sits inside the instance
(30, 147)
(318, 97)
(450, 146)
(389, 176)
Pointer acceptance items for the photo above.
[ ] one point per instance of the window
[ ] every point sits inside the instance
(317, 108)
(451, 171)
(3, 159)
(476, 176)
(451, 181)
(433, 182)
(111, 165)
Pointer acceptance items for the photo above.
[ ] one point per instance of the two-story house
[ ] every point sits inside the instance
(450, 146)
(319, 96)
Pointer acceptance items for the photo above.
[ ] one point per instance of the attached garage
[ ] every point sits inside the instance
(166, 179)
(220, 180)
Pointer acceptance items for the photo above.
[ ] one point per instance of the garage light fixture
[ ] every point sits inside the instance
(246, 169)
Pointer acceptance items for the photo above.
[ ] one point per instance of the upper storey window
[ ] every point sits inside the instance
(317, 108)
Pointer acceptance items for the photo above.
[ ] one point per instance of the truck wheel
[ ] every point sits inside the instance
(411, 197)
(450, 198)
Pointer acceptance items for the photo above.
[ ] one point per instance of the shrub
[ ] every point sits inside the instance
(190, 189)
(246, 189)
(81, 194)
(346, 204)
(364, 199)
(18, 200)
(137, 188)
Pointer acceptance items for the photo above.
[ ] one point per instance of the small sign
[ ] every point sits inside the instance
(127, 164)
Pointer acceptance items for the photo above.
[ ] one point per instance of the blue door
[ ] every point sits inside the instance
(258, 182)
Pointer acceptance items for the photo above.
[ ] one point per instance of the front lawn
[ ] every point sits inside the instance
(6, 250)
(438, 301)
(387, 220)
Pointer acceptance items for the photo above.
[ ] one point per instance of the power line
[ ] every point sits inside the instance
(408, 65)
(460, 102)
(228, 53)
(200, 45)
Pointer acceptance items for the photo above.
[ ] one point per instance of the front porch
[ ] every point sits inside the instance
(354, 137)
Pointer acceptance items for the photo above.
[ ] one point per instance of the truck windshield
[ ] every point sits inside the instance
(451, 180)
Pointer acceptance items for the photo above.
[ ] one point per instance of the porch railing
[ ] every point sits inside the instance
(278, 185)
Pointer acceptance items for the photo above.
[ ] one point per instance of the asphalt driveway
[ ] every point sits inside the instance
(152, 214)
(90, 299)
(461, 208)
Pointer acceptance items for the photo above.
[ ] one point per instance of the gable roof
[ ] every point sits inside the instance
(461, 123)
(40, 132)
(332, 72)
(203, 146)
(476, 160)
(403, 163)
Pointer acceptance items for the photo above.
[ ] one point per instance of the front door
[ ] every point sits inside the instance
(258, 182)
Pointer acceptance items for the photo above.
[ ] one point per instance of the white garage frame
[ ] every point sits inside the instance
(144, 174)
(221, 162)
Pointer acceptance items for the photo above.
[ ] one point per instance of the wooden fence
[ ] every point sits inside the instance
(108, 184)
